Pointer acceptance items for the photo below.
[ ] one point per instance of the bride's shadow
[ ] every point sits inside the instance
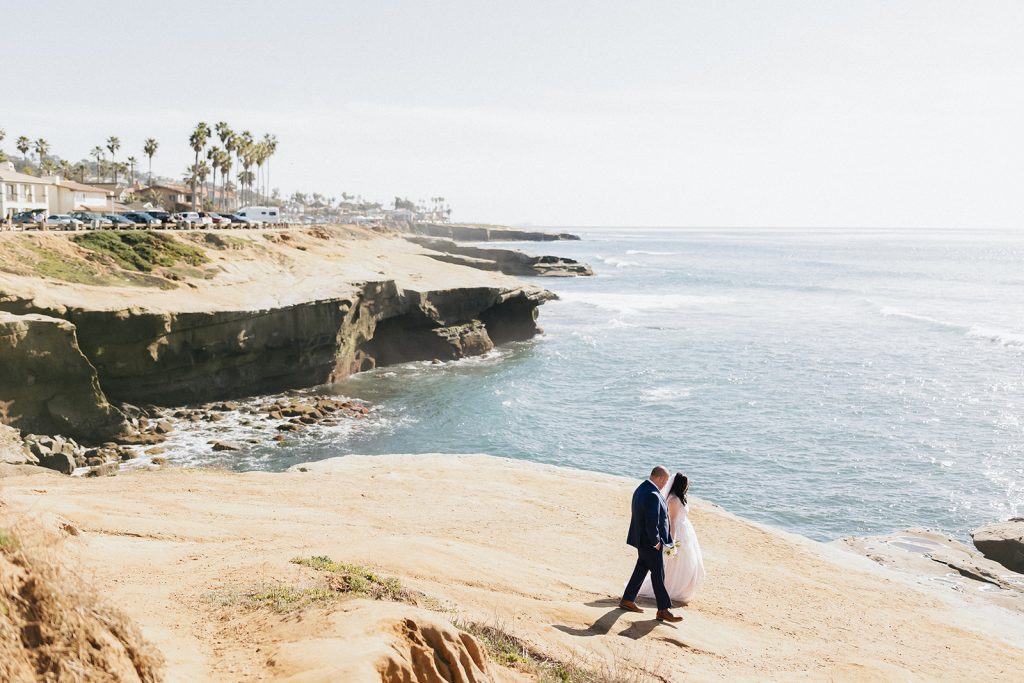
(604, 624)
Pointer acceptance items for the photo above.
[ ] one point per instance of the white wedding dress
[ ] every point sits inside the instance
(684, 573)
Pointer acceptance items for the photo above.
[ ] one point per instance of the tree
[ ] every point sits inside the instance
(220, 161)
(213, 156)
(113, 144)
(3, 134)
(246, 178)
(150, 147)
(132, 161)
(196, 175)
(80, 170)
(270, 141)
(42, 147)
(198, 141)
(24, 145)
(243, 154)
(228, 140)
(97, 154)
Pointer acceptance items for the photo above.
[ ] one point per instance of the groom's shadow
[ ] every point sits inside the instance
(604, 624)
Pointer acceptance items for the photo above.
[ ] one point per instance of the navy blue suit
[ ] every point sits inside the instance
(648, 526)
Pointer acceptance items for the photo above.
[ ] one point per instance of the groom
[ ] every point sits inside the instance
(648, 533)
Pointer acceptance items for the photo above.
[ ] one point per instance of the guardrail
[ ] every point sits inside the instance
(36, 227)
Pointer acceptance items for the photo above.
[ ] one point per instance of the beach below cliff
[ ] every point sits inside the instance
(513, 552)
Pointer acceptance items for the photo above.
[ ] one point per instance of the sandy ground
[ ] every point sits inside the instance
(260, 269)
(536, 549)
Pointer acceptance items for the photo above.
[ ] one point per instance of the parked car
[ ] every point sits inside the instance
(192, 219)
(162, 216)
(143, 218)
(63, 221)
(119, 222)
(238, 220)
(25, 218)
(90, 219)
(215, 218)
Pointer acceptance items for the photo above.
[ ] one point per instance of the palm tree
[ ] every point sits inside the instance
(225, 173)
(243, 151)
(196, 175)
(97, 153)
(80, 170)
(24, 145)
(246, 177)
(42, 147)
(132, 161)
(270, 141)
(213, 156)
(3, 134)
(227, 139)
(113, 144)
(259, 155)
(198, 142)
(150, 147)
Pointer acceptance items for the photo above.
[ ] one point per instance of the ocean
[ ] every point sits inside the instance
(830, 382)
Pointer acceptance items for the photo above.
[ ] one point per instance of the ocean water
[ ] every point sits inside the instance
(828, 382)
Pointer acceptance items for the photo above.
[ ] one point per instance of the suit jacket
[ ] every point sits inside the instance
(648, 525)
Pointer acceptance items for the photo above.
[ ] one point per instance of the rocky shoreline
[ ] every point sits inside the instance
(252, 313)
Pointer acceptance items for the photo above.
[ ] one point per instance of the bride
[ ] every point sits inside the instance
(684, 572)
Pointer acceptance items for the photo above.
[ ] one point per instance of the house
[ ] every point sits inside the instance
(22, 192)
(172, 196)
(68, 195)
(120, 191)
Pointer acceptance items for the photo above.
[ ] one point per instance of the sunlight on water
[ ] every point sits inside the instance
(828, 382)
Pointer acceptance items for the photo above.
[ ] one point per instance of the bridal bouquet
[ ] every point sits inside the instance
(672, 550)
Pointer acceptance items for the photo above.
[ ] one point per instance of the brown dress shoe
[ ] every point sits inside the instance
(630, 605)
(665, 615)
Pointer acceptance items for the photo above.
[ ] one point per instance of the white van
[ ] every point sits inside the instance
(260, 214)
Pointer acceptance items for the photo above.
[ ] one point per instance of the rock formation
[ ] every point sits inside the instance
(1002, 542)
(190, 357)
(47, 384)
(508, 261)
(483, 233)
(277, 310)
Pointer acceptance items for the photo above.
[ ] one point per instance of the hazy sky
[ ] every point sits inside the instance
(717, 113)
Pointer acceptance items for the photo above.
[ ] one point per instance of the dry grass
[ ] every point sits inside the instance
(55, 628)
(508, 650)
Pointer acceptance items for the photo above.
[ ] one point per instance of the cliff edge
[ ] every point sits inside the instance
(170, 318)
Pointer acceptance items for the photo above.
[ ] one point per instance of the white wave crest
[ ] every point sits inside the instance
(991, 334)
(619, 263)
(665, 394)
(641, 252)
(641, 303)
(997, 336)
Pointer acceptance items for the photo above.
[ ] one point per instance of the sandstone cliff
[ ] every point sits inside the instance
(47, 384)
(252, 312)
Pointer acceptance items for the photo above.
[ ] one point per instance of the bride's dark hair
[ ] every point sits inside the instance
(680, 485)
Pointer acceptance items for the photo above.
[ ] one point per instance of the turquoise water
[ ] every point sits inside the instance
(829, 382)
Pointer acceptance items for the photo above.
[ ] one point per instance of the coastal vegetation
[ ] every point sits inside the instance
(141, 250)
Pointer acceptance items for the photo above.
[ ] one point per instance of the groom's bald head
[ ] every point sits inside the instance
(659, 475)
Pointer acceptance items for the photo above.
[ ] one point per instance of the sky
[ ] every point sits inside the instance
(725, 113)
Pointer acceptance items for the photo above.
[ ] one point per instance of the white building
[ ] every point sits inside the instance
(67, 196)
(21, 192)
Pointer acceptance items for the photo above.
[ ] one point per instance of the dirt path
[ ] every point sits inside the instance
(535, 549)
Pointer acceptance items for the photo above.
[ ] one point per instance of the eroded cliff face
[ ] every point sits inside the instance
(47, 384)
(189, 357)
(253, 312)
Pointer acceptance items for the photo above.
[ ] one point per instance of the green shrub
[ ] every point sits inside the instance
(140, 250)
